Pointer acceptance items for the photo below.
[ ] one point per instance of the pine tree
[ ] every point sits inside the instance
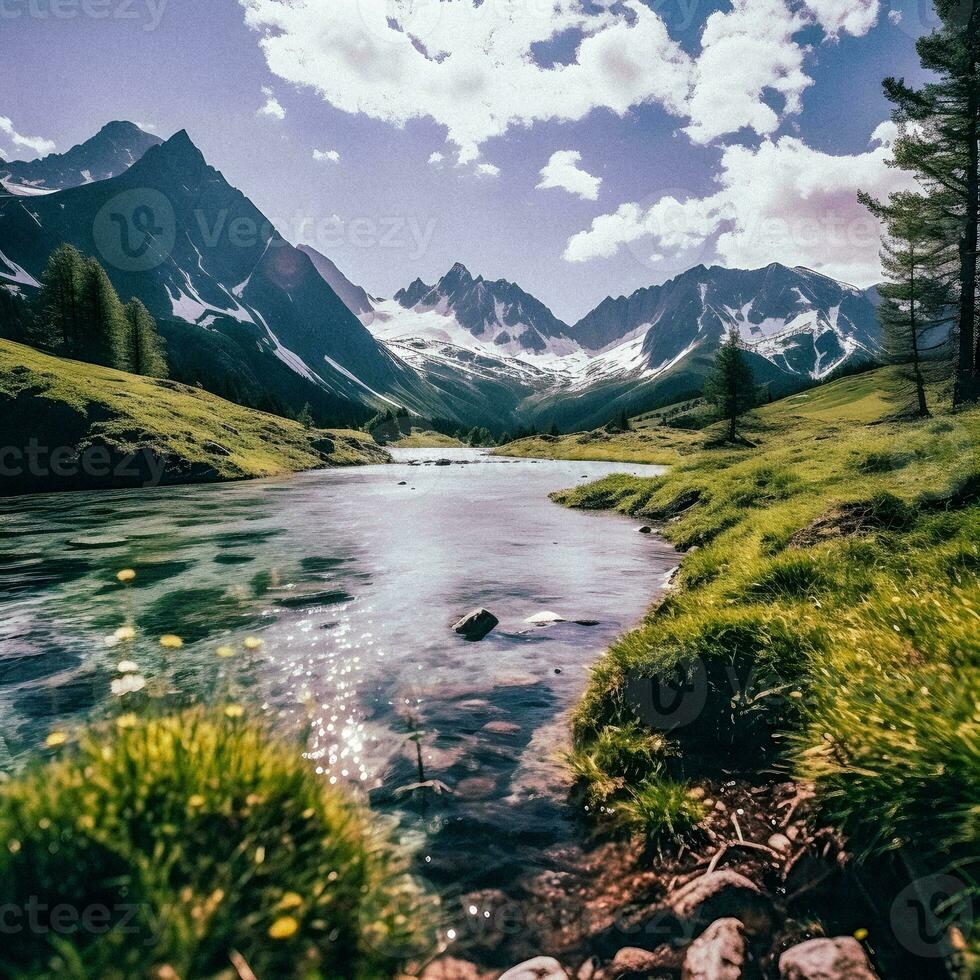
(473, 438)
(145, 345)
(59, 301)
(103, 328)
(553, 430)
(730, 386)
(916, 301)
(624, 422)
(305, 417)
(941, 130)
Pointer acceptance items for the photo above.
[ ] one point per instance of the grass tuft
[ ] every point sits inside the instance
(204, 838)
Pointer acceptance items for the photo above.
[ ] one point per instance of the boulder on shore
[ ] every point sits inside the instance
(477, 624)
(718, 953)
(826, 959)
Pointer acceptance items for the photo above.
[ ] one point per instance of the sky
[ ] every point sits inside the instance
(581, 148)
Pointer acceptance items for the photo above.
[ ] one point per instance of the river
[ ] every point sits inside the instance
(351, 579)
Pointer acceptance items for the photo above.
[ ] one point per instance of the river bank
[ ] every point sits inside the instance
(70, 426)
(822, 627)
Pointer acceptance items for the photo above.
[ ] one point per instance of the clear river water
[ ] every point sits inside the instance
(351, 578)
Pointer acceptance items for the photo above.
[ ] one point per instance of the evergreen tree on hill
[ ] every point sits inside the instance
(59, 301)
(940, 144)
(730, 386)
(103, 328)
(916, 301)
(145, 345)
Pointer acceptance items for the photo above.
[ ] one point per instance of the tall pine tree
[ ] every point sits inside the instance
(58, 321)
(941, 129)
(145, 346)
(916, 301)
(730, 385)
(104, 330)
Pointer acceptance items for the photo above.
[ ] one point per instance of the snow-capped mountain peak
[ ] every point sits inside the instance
(111, 151)
(497, 317)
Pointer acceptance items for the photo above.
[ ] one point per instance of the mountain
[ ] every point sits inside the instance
(656, 345)
(491, 316)
(115, 148)
(355, 298)
(173, 232)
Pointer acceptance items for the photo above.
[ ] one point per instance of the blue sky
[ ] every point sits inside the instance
(730, 134)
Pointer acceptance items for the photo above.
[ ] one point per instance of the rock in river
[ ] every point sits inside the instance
(477, 624)
(545, 618)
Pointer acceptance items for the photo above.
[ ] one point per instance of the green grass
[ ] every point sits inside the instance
(192, 429)
(645, 444)
(427, 439)
(207, 839)
(829, 607)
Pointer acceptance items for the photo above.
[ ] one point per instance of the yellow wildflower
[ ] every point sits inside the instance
(226, 652)
(252, 643)
(291, 901)
(127, 721)
(126, 575)
(171, 642)
(860, 935)
(234, 711)
(284, 928)
(196, 801)
(55, 739)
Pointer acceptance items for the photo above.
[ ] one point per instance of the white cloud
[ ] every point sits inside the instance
(470, 67)
(146, 127)
(487, 170)
(271, 108)
(436, 160)
(745, 52)
(837, 17)
(329, 155)
(782, 202)
(562, 172)
(36, 144)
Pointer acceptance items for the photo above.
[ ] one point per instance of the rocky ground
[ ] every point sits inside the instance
(742, 902)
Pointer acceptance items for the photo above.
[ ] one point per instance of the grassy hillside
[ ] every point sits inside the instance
(826, 614)
(427, 439)
(647, 443)
(148, 428)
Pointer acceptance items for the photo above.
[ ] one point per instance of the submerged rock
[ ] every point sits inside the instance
(826, 959)
(477, 624)
(646, 529)
(722, 895)
(632, 962)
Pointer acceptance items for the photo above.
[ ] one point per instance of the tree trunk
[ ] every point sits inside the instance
(920, 388)
(968, 365)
